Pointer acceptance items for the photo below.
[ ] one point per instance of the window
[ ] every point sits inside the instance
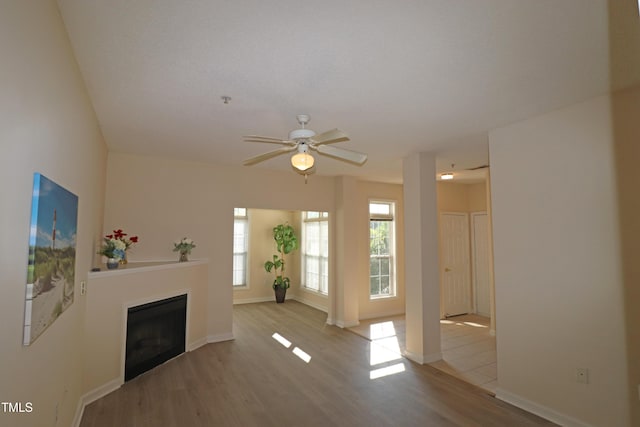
(240, 246)
(315, 251)
(381, 249)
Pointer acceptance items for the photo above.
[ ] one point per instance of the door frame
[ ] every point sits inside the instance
(474, 282)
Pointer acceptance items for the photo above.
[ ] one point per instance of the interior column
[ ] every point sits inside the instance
(422, 282)
(346, 295)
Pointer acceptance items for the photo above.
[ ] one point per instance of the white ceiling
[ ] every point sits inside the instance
(398, 76)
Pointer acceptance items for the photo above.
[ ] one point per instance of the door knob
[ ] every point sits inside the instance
(447, 269)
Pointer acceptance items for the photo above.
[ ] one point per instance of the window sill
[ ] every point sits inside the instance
(314, 292)
(383, 298)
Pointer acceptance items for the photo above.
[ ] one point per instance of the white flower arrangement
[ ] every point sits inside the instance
(183, 246)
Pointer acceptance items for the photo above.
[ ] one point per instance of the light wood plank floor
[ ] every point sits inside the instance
(468, 351)
(255, 380)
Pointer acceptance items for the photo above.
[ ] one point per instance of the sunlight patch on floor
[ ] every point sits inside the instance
(386, 371)
(384, 348)
(475, 325)
(301, 354)
(282, 340)
(382, 330)
(451, 322)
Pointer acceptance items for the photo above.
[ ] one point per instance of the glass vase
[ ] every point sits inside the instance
(183, 257)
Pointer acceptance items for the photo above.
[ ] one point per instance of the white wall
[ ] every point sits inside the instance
(558, 282)
(47, 125)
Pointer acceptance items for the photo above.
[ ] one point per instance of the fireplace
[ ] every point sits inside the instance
(155, 333)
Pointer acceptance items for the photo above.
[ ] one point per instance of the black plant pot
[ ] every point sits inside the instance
(280, 294)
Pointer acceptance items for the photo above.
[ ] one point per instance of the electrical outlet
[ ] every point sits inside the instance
(83, 287)
(582, 375)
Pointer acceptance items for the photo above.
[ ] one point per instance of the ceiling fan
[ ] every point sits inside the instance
(303, 141)
(449, 175)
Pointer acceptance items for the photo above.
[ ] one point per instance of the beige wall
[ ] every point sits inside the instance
(47, 125)
(477, 194)
(454, 197)
(558, 280)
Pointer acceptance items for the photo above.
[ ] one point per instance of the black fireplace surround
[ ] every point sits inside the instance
(155, 333)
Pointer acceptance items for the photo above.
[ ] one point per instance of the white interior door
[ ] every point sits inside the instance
(480, 262)
(456, 286)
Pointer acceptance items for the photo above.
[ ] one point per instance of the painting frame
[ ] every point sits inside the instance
(51, 265)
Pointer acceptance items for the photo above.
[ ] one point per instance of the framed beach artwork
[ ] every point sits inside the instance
(52, 256)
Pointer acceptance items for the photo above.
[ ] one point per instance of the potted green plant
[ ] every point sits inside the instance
(286, 242)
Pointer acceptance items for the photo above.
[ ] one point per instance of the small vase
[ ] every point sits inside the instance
(183, 257)
(123, 261)
(112, 263)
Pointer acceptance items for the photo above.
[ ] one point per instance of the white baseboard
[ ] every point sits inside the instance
(310, 303)
(252, 300)
(77, 418)
(539, 410)
(347, 323)
(384, 314)
(94, 395)
(197, 344)
(228, 336)
(421, 358)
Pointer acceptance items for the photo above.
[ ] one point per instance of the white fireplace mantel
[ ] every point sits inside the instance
(111, 292)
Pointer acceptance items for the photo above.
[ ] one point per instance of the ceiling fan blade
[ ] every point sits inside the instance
(266, 156)
(329, 137)
(264, 138)
(279, 141)
(478, 167)
(342, 154)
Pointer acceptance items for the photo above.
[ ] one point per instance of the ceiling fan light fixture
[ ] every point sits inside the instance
(446, 176)
(302, 161)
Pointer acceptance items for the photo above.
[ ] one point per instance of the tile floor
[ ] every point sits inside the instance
(468, 351)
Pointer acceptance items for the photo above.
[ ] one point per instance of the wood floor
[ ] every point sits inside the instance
(256, 380)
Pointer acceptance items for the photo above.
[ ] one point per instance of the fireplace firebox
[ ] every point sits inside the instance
(156, 332)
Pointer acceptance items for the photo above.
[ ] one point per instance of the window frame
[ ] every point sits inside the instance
(392, 256)
(244, 218)
(322, 261)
